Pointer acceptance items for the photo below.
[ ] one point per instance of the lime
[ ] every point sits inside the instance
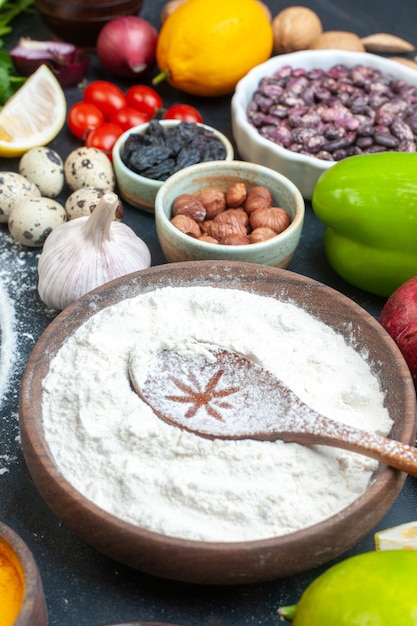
(370, 589)
(402, 537)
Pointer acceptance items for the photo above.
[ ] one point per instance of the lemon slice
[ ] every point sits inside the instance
(34, 115)
(402, 537)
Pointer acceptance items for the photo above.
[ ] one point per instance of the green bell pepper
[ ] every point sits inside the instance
(369, 205)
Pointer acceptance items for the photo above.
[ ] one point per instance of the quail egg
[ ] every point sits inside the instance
(83, 201)
(89, 167)
(44, 167)
(32, 219)
(14, 188)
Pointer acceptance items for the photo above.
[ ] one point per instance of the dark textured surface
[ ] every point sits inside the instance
(83, 587)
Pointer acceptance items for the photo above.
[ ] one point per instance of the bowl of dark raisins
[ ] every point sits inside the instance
(147, 155)
(229, 211)
(299, 113)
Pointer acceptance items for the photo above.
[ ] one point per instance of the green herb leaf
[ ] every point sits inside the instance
(9, 83)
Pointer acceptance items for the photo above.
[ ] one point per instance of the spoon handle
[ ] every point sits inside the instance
(324, 431)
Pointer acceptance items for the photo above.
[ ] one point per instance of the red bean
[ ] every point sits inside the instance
(335, 113)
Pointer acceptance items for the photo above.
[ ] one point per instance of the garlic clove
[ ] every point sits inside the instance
(87, 253)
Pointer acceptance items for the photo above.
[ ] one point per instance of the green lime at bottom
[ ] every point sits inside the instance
(371, 589)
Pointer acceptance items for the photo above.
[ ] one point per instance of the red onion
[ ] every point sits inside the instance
(399, 318)
(68, 63)
(126, 46)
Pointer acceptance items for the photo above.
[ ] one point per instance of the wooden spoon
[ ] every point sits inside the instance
(231, 397)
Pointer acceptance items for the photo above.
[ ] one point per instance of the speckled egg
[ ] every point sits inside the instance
(89, 167)
(13, 189)
(45, 168)
(83, 201)
(32, 219)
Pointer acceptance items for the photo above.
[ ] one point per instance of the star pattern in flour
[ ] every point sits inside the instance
(210, 398)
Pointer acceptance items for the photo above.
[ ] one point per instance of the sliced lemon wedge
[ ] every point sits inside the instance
(34, 115)
(402, 537)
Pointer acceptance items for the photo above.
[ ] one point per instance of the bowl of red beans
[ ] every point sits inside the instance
(300, 113)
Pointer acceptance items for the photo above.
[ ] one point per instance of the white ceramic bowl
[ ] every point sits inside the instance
(178, 246)
(303, 170)
(138, 190)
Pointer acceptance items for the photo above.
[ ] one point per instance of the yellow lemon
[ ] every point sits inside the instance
(204, 48)
(370, 589)
(34, 115)
(402, 537)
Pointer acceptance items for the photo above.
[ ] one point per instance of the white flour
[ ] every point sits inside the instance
(115, 451)
(22, 316)
(7, 340)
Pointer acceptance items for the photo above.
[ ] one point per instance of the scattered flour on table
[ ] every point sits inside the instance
(115, 451)
(18, 310)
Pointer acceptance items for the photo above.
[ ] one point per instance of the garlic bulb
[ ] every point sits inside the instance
(87, 252)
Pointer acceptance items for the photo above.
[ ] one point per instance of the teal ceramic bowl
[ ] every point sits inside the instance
(178, 246)
(140, 191)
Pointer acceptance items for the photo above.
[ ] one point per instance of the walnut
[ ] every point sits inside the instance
(295, 28)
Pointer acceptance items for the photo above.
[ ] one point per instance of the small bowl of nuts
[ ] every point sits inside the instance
(229, 210)
(146, 155)
(301, 112)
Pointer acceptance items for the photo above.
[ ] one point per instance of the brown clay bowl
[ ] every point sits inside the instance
(13, 550)
(216, 562)
(142, 624)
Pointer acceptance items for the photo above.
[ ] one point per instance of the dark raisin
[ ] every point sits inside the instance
(159, 152)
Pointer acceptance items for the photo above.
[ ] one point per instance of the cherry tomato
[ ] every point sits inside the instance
(128, 117)
(144, 99)
(104, 137)
(106, 96)
(183, 112)
(84, 117)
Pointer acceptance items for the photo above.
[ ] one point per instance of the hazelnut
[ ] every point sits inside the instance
(263, 233)
(235, 240)
(258, 198)
(275, 218)
(338, 40)
(186, 225)
(204, 226)
(208, 239)
(219, 230)
(227, 215)
(187, 204)
(213, 200)
(236, 195)
(295, 28)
